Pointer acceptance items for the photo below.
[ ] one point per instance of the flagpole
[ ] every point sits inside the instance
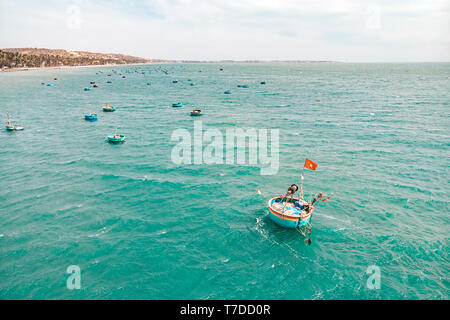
(301, 184)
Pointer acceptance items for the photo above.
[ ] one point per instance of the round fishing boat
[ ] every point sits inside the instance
(91, 117)
(196, 113)
(289, 213)
(10, 127)
(117, 138)
(108, 108)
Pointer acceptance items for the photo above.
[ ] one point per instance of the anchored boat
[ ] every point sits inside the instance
(291, 211)
(196, 112)
(108, 108)
(177, 105)
(12, 127)
(90, 116)
(116, 138)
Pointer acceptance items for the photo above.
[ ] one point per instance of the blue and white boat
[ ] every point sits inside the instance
(291, 211)
(196, 113)
(116, 138)
(177, 105)
(91, 116)
(12, 127)
(108, 108)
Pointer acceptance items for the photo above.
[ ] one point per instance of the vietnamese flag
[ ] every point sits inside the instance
(309, 164)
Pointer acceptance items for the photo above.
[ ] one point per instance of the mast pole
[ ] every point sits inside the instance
(301, 184)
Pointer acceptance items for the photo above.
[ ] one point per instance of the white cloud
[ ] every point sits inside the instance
(235, 29)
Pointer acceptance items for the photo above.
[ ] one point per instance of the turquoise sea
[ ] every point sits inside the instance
(140, 226)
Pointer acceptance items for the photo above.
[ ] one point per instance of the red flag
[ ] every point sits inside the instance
(309, 164)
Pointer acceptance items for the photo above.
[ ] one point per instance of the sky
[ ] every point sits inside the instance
(337, 30)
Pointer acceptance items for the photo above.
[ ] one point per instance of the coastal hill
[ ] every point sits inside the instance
(38, 58)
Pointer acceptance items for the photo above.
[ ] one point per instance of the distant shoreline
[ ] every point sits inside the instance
(75, 67)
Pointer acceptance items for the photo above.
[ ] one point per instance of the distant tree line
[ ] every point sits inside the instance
(19, 60)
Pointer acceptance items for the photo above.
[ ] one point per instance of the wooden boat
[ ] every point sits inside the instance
(196, 112)
(12, 127)
(90, 116)
(116, 138)
(177, 105)
(290, 211)
(95, 85)
(108, 108)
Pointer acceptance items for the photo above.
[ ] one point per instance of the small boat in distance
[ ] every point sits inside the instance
(116, 138)
(12, 127)
(263, 82)
(95, 85)
(109, 81)
(87, 89)
(177, 105)
(227, 92)
(242, 86)
(196, 113)
(108, 108)
(175, 81)
(90, 116)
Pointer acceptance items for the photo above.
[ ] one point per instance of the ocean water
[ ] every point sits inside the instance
(140, 226)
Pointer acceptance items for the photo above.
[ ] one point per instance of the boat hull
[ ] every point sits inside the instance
(287, 221)
(112, 139)
(90, 118)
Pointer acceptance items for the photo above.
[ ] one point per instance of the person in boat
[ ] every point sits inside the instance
(306, 207)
